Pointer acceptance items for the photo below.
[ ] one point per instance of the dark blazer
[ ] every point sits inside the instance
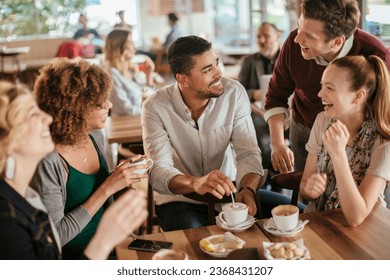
(25, 232)
(252, 68)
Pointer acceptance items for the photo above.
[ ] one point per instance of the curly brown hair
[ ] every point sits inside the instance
(69, 90)
(340, 17)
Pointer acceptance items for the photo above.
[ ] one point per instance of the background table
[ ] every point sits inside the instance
(124, 129)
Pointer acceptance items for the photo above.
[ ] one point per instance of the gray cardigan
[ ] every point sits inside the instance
(50, 181)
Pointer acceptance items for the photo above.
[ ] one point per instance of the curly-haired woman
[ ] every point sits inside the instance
(74, 180)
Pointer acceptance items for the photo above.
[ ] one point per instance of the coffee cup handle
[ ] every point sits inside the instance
(220, 215)
(149, 164)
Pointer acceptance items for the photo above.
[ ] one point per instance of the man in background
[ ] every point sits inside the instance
(253, 69)
(84, 31)
(175, 31)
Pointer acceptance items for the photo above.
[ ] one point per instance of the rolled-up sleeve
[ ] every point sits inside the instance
(248, 155)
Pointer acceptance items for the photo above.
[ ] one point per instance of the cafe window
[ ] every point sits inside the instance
(377, 20)
(233, 27)
(60, 17)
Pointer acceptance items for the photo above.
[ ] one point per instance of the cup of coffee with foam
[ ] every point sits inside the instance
(170, 254)
(234, 213)
(285, 217)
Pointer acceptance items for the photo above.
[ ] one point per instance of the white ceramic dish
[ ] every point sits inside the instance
(271, 228)
(222, 252)
(251, 220)
(299, 243)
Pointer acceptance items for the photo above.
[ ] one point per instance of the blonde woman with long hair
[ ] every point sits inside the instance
(128, 88)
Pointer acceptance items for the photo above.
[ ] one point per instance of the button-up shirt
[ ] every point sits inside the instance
(223, 138)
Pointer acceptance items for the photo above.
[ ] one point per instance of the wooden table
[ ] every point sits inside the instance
(328, 236)
(124, 129)
(15, 68)
(188, 241)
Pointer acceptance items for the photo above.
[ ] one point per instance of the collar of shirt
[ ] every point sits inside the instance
(344, 51)
(179, 104)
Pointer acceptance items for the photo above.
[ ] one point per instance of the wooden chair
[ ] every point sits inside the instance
(128, 151)
(152, 219)
(212, 200)
(162, 66)
(290, 181)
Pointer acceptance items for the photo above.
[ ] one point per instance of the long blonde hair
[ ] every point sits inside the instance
(12, 115)
(114, 48)
(371, 73)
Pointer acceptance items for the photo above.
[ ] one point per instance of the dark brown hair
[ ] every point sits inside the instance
(182, 51)
(340, 17)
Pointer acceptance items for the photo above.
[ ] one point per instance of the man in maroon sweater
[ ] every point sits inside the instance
(326, 30)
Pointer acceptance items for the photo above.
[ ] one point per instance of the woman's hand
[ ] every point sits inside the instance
(335, 138)
(148, 65)
(119, 220)
(123, 175)
(315, 186)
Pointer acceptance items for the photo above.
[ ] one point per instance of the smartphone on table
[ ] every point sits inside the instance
(149, 245)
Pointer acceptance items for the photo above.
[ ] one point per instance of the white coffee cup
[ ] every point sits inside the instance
(285, 217)
(170, 254)
(142, 161)
(233, 216)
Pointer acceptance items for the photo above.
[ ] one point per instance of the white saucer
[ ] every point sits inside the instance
(270, 225)
(235, 229)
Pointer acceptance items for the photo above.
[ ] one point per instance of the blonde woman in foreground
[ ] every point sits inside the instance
(26, 232)
(349, 148)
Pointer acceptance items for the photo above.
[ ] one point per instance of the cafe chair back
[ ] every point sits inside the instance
(290, 181)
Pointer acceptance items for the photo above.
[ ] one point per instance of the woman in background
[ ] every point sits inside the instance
(127, 91)
(26, 232)
(74, 181)
(349, 147)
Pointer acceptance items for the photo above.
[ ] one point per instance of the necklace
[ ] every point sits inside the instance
(83, 151)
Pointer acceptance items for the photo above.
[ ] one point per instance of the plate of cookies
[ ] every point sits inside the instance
(295, 250)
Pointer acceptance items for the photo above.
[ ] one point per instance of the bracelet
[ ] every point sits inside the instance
(250, 189)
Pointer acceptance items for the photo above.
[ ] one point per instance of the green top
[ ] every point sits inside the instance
(79, 188)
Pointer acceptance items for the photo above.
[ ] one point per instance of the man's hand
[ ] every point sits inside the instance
(215, 183)
(282, 158)
(246, 196)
